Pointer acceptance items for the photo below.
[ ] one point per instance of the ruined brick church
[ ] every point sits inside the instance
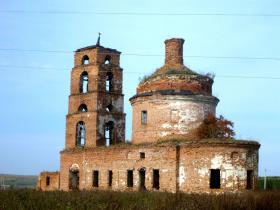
(167, 107)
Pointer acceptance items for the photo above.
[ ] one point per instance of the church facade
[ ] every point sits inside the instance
(167, 107)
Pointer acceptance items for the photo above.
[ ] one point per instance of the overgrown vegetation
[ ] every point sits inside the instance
(168, 70)
(34, 200)
(213, 127)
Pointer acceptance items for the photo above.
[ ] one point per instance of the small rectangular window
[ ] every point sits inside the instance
(142, 155)
(144, 117)
(95, 181)
(48, 180)
(129, 178)
(110, 178)
(215, 182)
(249, 180)
(156, 179)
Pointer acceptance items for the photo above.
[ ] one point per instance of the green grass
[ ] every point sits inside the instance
(97, 200)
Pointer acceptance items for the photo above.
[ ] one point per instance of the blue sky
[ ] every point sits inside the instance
(34, 100)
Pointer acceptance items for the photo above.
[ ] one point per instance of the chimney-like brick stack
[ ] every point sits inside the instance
(174, 51)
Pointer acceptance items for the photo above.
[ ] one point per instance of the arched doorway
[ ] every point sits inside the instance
(74, 177)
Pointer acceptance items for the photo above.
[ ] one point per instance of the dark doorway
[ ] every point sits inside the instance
(74, 180)
(129, 178)
(156, 179)
(95, 182)
(110, 178)
(142, 175)
(48, 181)
(215, 179)
(249, 179)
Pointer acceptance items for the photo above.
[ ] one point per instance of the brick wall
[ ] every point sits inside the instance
(233, 161)
(48, 181)
(169, 115)
(120, 159)
(182, 167)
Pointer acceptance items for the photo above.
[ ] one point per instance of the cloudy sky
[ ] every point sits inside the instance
(236, 40)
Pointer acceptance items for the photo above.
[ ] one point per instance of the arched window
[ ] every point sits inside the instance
(109, 132)
(107, 60)
(80, 134)
(109, 81)
(84, 82)
(82, 108)
(85, 60)
(109, 108)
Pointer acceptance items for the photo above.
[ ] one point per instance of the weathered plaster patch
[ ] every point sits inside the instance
(164, 133)
(216, 162)
(166, 125)
(203, 172)
(182, 175)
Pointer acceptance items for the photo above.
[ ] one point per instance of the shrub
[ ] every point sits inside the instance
(213, 127)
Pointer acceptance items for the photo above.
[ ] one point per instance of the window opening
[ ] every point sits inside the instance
(109, 81)
(48, 181)
(74, 180)
(129, 178)
(144, 116)
(142, 175)
(110, 178)
(95, 182)
(142, 155)
(82, 108)
(85, 60)
(80, 134)
(84, 82)
(107, 60)
(215, 179)
(109, 108)
(109, 131)
(156, 179)
(249, 179)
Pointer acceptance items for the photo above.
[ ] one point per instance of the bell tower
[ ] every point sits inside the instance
(95, 114)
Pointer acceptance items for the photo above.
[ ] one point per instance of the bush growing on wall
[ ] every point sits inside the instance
(213, 127)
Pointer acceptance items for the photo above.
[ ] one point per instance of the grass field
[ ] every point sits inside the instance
(36, 200)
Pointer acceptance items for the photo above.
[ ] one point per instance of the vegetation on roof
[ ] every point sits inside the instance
(172, 70)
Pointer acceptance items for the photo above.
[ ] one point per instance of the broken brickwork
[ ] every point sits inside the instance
(48, 181)
(168, 107)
